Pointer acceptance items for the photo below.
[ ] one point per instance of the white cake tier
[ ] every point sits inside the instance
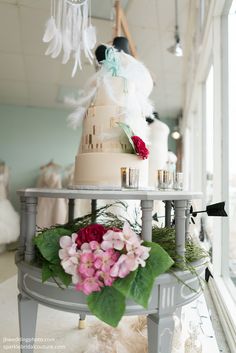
(103, 169)
(101, 132)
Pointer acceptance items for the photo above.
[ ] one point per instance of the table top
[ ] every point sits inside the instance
(103, 194)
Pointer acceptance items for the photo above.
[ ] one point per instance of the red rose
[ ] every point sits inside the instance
(90, 233)
(140, 147)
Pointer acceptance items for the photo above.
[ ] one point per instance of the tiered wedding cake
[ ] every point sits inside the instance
(104, 147)
(111, 112)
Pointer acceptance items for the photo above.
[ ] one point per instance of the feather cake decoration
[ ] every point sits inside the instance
(69, 30)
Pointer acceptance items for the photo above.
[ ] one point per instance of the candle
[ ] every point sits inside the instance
(124, 174)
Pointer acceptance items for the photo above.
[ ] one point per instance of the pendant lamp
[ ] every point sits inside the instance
(176, 49)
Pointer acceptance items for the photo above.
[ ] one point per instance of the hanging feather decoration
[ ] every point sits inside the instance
(69, 30)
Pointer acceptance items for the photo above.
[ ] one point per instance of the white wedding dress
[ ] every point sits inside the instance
(9, 218)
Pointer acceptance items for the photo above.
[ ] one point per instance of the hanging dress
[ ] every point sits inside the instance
(50, 211)
(9, 218)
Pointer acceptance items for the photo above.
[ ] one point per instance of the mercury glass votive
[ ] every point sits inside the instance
(178, 181)
(124, 176)
(164, 179)
(133, 178)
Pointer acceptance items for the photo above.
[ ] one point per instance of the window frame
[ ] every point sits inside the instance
(215, 51)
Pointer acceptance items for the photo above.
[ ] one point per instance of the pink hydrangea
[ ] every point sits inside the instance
(86, 264)
(96, 264)
(104, 260)
(113, 240)
(89, 285)
(69, 254)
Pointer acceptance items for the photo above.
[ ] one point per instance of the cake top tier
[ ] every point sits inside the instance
(114, 90)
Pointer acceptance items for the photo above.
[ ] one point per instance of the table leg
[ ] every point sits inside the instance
(187, 226)
(71, 210)
(161, 325)
(180, 218)
(21, 248)
(27, 309)
(147, 206)
(30, 226)
(167, 213)
(93, 210)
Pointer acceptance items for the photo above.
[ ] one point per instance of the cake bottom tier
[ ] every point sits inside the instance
(103, 169)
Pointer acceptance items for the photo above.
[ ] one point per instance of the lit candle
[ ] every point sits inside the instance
(124, 174)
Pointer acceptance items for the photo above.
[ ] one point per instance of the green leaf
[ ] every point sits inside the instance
(123, 285)
(157, 263)
(48, 243)
(129, 133)
(108, 305)
(46, 272)
(58, 271)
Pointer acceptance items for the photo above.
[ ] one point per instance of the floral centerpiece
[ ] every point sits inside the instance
(107, 263)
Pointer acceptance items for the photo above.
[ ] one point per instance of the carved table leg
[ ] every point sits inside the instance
(188, 215)
(180, 228)
(93, 210)
(147, 206)
(161, 325)
(21, 248)
(27, 309)
(167, 213)
(30, 212)
(71, 209)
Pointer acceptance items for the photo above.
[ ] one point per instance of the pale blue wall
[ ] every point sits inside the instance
(29, 138)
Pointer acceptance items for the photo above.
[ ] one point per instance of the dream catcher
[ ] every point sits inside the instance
(69, 30)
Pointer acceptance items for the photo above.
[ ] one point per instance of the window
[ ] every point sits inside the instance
(232, 141)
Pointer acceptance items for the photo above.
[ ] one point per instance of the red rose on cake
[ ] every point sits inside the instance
(140, 147)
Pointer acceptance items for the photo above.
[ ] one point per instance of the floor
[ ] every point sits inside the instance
(7, 263)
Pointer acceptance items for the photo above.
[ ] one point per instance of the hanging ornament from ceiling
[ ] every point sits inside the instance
(69, 30)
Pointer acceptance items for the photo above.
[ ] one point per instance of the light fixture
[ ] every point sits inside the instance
(176, 133)
(176, 49)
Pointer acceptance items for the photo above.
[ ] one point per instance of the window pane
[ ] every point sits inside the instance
(209, 116)
(232, 144)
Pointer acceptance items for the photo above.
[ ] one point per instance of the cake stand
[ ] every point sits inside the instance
(169, 292)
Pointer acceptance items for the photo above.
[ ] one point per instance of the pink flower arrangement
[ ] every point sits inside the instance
(140, 147)
(97, 256)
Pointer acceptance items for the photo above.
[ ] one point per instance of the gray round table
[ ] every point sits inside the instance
(169, 292)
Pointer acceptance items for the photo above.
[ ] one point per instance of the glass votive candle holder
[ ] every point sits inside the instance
(178, 181)
(164, 179)
(124, 176)
(133, 178)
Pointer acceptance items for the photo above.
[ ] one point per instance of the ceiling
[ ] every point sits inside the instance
(28, 77)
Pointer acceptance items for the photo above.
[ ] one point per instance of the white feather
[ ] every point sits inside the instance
(75, 119)
(50, 30)
(52, 45)
(58, 46)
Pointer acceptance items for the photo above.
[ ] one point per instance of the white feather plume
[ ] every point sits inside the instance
(69, 30)
(75, 119)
